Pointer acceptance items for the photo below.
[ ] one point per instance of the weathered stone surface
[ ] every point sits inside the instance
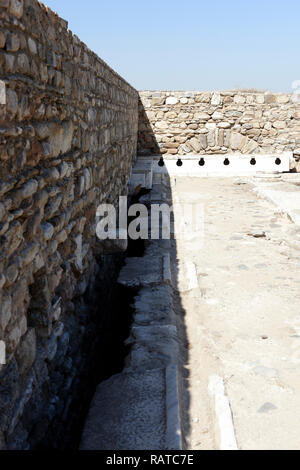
(5, 314)
(279, 124)
(16, 8)
(224, 125)
(4, 3)
(216, 99)
(29, 189)
(61, 138)
(239, 99)
(195, 144)
(257, 118)
(202, 98)
(171, 100)
(12, 272)
(211, 138)
(142, 271)
(12, 42)
(125, 397)
(237, 141)
(26, 352)
(2, 93)
(2, 210)
(32, 46)
(11, 102)
(68, 135)
(23, 63)
(48, 231)
(202, 116)
(162, 125)
(283, 99)
(29, 253)
(217, 116)
(68, 130)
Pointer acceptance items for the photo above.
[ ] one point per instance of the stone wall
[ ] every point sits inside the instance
(218, 122)
(68, 136)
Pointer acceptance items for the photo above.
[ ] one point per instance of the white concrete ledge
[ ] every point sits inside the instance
(214, 165)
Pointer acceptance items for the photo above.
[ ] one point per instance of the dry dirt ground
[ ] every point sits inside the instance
(241, 322)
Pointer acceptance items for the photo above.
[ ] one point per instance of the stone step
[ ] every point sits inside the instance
(153, 306)
(284, 196)
(153, 347)
(146, 271)
(142, 175)
(135, 411)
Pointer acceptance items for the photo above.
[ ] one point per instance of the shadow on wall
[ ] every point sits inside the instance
(147, 143)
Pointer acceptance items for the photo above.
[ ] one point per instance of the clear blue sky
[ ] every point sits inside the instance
(192, 44)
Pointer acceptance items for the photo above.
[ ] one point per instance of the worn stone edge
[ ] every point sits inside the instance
(174, 439)
(261, 193)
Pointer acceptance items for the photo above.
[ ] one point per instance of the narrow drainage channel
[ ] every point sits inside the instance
(106, 314)
(120, 319)
(112, 349)
(136, 248)
(109, 351)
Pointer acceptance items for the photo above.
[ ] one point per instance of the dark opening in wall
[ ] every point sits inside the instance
(136, 248)
(118, 330)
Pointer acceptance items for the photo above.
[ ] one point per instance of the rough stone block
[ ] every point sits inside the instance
(16, 8)
(126, 413)
(26, 352)
(12, 42)
(142, 271)
(5, 313)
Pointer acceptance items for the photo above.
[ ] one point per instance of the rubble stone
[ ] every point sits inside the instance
(251, 120)
(68, 138)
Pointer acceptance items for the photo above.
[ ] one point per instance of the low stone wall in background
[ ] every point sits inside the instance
(179, 123)
(68, 137)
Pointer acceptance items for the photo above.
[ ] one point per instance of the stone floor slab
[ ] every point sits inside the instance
(142, 271)
(153, 347)
(127, 413)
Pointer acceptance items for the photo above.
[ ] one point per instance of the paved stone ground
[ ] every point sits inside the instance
(242, 322)
(216, 326)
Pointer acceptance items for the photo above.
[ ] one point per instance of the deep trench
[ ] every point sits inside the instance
(115, 316)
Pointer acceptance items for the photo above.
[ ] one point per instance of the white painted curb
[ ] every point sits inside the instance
(223, 413)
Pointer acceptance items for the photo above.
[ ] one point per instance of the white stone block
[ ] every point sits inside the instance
(2, 93)
(171, 100)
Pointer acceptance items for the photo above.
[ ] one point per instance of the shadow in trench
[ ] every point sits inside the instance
(115, 329)
(105, 312)
(149, 147)
(180, 314)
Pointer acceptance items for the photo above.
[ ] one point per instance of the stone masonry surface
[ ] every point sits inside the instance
(179, 123)
(70, 128)
(68, 136)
